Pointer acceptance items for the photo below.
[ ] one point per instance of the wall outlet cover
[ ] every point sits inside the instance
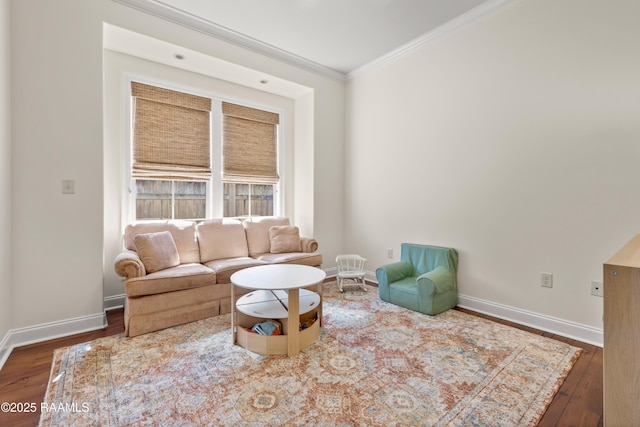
(597, 288)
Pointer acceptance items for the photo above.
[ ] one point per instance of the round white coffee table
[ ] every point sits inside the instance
(282, 283)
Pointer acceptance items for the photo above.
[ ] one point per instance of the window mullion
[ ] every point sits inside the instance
(173, 199)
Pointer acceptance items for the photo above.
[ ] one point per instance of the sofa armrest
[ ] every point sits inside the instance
(390, 273)
(308, 244)
(128, 265)
(435, 282)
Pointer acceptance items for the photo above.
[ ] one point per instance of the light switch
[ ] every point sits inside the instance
(68, 186)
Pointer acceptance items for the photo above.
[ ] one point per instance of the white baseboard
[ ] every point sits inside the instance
(48, 331)
(370, 276)
(331, 271)
(29, 335)
(114, 301)
(565, 328)
(554, 325)
(5, 350)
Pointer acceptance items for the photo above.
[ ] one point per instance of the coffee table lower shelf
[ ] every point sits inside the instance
(275, 344)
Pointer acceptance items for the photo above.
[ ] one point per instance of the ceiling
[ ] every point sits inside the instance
(336, 36)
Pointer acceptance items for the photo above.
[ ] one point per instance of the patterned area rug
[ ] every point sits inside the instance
(375, 364)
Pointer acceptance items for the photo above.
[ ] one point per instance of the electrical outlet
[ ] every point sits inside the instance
(546, 280)
(596, 288)
(390, 253)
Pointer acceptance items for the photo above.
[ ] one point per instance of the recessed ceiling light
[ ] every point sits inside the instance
(179, 56)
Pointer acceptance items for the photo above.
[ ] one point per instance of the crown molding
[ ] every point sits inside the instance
(161, 10)
(157, 8)
(446, 28)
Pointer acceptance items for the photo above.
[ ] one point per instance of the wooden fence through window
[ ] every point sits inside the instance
(154, 200)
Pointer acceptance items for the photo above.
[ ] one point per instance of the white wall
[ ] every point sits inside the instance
(5, 174)
(56, 83)
(59, 259)
(118, 69)
(515, 140)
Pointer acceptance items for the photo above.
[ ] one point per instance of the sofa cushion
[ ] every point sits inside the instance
(303, 258)
(157, 251)
(221, 238)
(284, 238)
(224, 268)
(257, 230)
(183, 232)
(183, 276)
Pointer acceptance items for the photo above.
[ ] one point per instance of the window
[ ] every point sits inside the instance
(171, 152)
(165, 199)
(248, 199)
(171, 162)
(249, 166)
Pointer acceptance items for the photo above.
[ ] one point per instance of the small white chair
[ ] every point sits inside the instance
(350, 267)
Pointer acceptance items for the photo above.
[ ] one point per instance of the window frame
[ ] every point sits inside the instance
(215, 185)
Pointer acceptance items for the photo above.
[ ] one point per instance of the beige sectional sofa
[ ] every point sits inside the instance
(179, 271)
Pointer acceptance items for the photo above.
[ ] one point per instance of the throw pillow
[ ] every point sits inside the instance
(257, 231)
(157, 251)
(284, 238)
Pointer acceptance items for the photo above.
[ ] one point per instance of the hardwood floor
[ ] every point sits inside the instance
(24, 377)
(25, 374)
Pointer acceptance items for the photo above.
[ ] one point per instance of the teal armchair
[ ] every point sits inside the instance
(424, 280)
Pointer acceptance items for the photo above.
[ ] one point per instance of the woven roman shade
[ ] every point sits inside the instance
(249, 145)
(171, 136)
